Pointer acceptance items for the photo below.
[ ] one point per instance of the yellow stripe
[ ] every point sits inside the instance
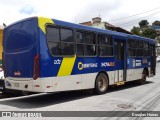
(43, 21)
(67, 63)
(66, 66)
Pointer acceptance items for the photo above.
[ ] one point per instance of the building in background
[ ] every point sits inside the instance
(1, 48)
(97, 22)
(157, 28)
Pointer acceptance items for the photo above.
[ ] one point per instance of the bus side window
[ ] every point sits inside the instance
(60, 40)
(79, 37)
(132, 48)
(79, 41)
(105, 45)
(85, 43)
(67, 41)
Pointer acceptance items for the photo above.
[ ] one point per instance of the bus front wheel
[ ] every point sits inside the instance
(101, 84)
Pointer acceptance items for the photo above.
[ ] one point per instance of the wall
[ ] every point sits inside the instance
(99, 25)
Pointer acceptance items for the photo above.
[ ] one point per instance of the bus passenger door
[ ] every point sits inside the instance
(120, 60)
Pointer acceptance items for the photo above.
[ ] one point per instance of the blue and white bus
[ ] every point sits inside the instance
(47, 55)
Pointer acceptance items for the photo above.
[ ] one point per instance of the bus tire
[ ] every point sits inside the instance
(101, 84)
(144, 77)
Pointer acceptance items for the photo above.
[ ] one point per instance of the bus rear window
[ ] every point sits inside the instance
(20, 36)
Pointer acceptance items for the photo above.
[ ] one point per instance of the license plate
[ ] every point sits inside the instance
(16, 84)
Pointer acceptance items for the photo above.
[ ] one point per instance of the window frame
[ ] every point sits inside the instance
(100, 45)
(146, 48)
(83, 43)
(138, 47)
(132, 47)
(61, 27)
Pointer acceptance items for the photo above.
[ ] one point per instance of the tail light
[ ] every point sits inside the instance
(36, 67)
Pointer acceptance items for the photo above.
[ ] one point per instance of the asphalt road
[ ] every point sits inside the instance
(129, 97)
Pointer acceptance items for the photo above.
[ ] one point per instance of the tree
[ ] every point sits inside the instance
(149, 33)
(156, 23)
(145, 30)
(143, 23)
(136, 31)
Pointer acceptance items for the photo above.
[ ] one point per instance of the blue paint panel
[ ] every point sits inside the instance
(20, 56)
(134, 63)
(92, 65)
(119, 65)
(20, 47)
(47, 66)
(50, 69)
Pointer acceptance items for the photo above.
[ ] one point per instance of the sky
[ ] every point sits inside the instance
(77, 11)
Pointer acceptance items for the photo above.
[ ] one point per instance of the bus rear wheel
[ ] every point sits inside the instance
(101, 84)
(144, 77)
